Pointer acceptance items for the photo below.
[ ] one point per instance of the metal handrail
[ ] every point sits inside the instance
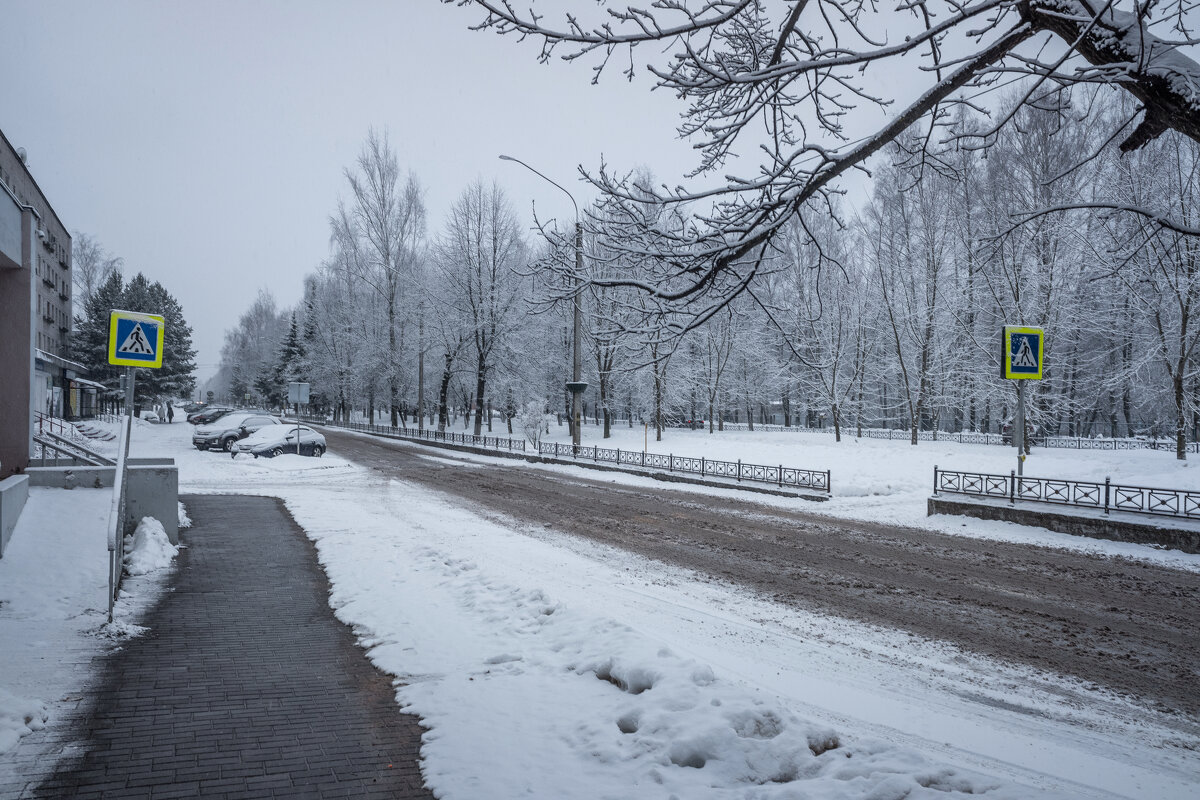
(1106, 496)
(88, 456)
(117, 514)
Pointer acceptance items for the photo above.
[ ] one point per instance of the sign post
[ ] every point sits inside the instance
(297, 394)
(1021, 360)
(134, 340)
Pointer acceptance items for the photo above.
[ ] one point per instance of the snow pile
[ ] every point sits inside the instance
(184, 520)
(148, 549)
(19, 716)
(526, 696)
(620, 715)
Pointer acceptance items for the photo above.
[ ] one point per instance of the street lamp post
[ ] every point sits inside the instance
(576, 385)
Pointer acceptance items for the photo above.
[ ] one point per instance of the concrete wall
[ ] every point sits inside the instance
(10, 231)
(153, 489)
(154, 492)
(14, 491)
(16, 353)
(1119, 527)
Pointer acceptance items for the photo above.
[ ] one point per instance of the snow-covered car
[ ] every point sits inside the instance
(275, 440)
(208, 414)
(226, 431)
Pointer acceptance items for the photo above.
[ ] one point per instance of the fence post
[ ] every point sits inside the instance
(618, 456)
(643, 459)
(701, 466)
(1107, 486)
(781, 476)
(1012, 487)
(739, 470)
(670, 462)
(829, 481)
(935, 471)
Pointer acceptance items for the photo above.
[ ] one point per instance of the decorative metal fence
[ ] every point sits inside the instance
(970, 437)
(489, 442)
(779, 475)
(705, 467)
(1106, 496)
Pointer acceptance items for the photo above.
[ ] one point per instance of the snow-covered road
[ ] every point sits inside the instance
(550, 666)
(454, 603)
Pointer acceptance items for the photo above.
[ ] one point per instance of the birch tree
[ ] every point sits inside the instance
(788, 88)
(479, 251)
(389, 218)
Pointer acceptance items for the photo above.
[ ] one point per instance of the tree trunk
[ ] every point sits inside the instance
(604, 405)
(1180, 415)
(480, 385)
(443, 397)
(393, 388)
(421, 374)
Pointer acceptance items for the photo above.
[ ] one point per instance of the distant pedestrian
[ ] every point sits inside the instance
(170, 413)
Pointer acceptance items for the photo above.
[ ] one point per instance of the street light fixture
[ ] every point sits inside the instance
(576, 385)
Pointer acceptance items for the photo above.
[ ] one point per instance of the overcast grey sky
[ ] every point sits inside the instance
(205, 142)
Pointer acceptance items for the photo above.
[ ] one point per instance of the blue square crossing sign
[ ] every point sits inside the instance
(1022, 350)
(135, 339)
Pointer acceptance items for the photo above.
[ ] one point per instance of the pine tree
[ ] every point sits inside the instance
(89, 343)
(89, 340)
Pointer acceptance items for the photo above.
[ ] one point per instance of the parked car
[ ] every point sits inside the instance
(275, 440)
(209, 414)
(192, 408)
(226, 431)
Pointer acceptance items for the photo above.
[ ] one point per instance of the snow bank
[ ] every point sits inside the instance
(549, 701)
(19, 716)
(148, 549)
(184, 520)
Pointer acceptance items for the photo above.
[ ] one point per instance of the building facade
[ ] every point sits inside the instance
(35, 312)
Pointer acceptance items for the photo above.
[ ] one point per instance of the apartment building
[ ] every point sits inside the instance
(35, 311)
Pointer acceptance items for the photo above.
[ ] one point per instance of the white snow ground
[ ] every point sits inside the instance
(548, 667)
(53, 611)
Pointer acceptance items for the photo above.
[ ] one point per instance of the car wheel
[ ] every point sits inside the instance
(278, 451)
(229, 444)
(318, 451)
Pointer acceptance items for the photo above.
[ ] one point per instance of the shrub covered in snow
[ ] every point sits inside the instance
(534, 421)
(148, 548)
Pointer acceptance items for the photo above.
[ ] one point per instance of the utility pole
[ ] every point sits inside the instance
(577, 364)
(575, 386)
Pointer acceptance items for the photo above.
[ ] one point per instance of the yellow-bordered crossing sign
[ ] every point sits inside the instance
(1022, 350)
(135, 339)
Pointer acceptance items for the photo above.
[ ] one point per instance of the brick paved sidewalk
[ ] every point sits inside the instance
(246, 686)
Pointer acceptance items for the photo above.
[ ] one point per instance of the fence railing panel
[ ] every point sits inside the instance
(818, 480)
(971, 437)
(1107, 496)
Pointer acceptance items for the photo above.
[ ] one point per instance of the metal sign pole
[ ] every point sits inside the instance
(1019, 428)
(129, 373)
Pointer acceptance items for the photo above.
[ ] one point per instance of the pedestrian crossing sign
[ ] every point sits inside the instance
(135, 339)
(1023, 348)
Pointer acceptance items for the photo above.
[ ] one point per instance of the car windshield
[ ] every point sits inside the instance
(230, 421)
(274, 433)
